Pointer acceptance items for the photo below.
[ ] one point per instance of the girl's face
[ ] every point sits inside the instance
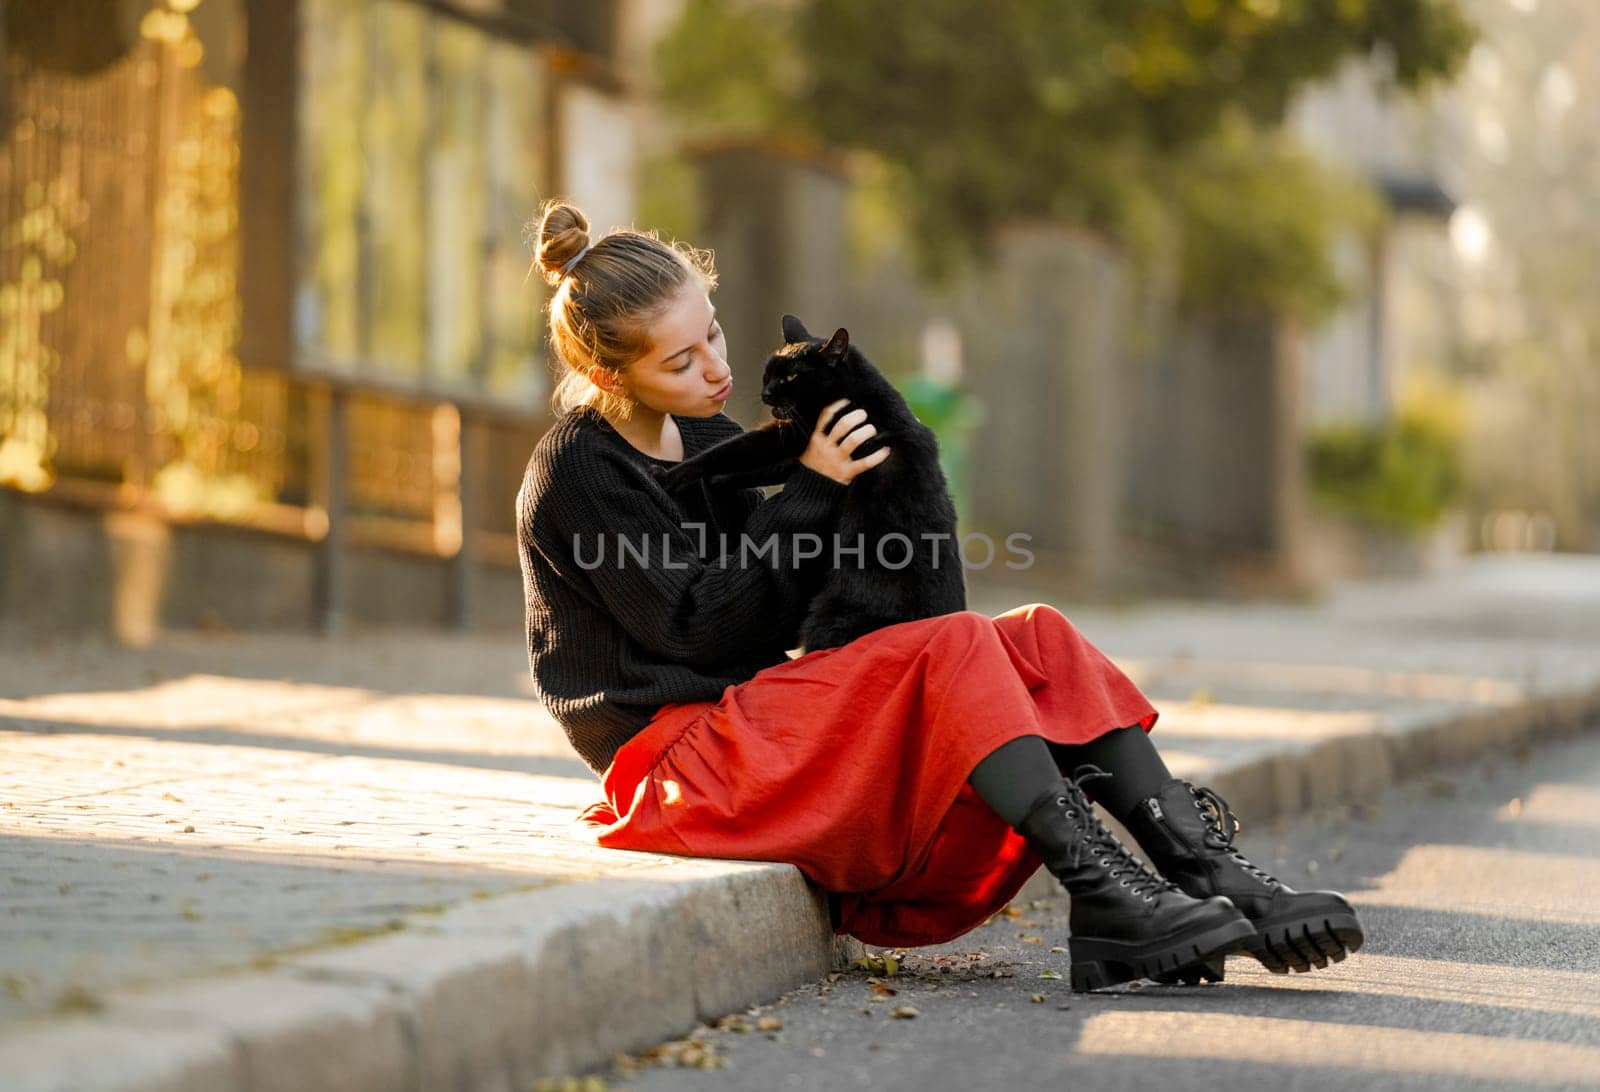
(685, 370)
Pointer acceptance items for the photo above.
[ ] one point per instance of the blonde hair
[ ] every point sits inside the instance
(606, 295)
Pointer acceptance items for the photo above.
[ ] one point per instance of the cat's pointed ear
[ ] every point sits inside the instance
(794, 331)
(838, 345)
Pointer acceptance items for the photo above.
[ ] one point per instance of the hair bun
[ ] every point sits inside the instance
(563, 233)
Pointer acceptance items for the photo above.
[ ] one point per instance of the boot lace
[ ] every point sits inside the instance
(1221, 825)
(1120, 864)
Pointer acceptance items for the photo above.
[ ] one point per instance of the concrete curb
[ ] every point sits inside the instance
(487, 995)
(1360, 766)
(497, 993)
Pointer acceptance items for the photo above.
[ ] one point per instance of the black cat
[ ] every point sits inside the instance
(898, 575)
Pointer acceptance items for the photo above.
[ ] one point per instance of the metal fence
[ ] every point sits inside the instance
(120, 317)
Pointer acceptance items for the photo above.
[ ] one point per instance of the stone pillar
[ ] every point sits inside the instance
(776, 219)
(141, 551)
(1043, 340)
(1216, 477)
(267, 183)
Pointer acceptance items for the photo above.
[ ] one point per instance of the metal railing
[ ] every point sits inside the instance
(119, 320)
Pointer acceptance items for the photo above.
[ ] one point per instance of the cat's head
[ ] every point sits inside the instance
(807, 373)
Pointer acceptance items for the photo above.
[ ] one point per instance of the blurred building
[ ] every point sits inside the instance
(1484, 273)
(1403, 276)
(269, 350)
(1401, 320)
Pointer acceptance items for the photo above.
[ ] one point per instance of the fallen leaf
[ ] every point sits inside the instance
(689, 1053)
(769, 1023)
(1037, 999)
(904, 1012)
(878, 964)
(1047, 973)
(1058, 949)
(1031, 940)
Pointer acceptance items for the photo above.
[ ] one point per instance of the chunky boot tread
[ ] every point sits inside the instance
(1303, 948)
(1099, 963)
(1300, 945)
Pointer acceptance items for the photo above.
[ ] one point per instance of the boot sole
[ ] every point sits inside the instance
(1097, 964)
(1299, 944)
(1195, 974)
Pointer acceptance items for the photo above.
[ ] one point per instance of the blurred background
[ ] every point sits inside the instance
(1214, 297)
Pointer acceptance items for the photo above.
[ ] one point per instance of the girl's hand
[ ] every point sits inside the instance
(829, 453)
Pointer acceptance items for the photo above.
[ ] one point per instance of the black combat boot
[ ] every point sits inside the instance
(1188, 834)
(1127, 922)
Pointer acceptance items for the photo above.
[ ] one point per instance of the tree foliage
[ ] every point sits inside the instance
(1076, 112)
(1258, 218)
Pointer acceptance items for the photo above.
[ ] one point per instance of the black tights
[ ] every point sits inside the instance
(1017, 773)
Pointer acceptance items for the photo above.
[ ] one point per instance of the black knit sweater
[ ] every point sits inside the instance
(613, 636)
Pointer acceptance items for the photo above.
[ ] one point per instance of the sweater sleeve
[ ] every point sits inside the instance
(615, 530)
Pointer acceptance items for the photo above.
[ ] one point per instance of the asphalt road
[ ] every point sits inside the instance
(1480, 893)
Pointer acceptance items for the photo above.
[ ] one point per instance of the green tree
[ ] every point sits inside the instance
(1098, 113)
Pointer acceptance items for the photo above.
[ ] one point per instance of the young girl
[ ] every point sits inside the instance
(914, 774)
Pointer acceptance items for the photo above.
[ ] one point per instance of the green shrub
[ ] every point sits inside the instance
(1404, 474)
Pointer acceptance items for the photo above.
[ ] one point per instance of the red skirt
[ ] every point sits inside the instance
(852, 763)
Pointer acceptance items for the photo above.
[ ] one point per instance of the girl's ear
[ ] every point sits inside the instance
(794, 331)
(605, 380)
(837, 346)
